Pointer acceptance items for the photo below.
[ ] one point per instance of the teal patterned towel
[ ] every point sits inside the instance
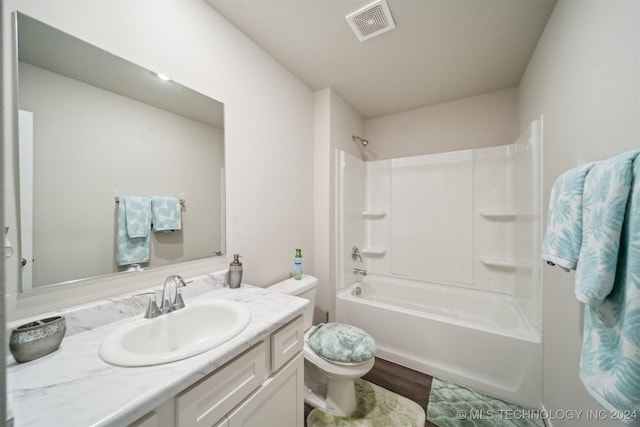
(133, 240)
(610, 359)
(606, 190)
(166, 213)
(137, 215)
(563, 239)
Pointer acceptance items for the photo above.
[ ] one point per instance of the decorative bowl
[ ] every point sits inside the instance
(36, 339)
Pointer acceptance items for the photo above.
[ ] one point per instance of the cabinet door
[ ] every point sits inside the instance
(279, 402)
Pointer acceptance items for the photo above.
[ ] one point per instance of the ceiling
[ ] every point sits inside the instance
(440, 50)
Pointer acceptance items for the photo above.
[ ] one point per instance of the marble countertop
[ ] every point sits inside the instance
(74, 387)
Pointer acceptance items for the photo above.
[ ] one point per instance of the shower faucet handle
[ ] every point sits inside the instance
(360, 271)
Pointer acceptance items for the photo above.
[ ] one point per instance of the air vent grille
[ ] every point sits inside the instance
(371, 20)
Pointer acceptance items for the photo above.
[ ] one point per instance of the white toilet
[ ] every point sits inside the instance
(338, 374)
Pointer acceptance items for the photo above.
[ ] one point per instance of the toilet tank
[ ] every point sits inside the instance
(303, 288)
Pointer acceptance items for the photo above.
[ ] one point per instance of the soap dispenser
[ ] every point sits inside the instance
(235, 272)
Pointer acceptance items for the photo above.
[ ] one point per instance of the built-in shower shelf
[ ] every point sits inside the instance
(374, 252)
(373, 214)
(501, 263)
(499, 215)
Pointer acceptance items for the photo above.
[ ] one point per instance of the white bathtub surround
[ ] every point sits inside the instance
(476, 339)
(74, 387)
(465, 218)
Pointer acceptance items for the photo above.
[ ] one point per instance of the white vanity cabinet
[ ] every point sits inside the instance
(278, 403)
(261, 387)
(163, 416)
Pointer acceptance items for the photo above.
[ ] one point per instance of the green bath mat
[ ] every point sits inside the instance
(453, 406)
(376, 407)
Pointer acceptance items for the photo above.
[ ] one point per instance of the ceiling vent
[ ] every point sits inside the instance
(371, 20)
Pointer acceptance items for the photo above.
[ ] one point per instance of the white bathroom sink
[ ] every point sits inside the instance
(178, 335)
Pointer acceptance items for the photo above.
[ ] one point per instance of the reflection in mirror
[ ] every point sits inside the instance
(94, 128)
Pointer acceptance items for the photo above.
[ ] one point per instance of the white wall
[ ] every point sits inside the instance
(335, 123)
(475, 122)
(584, 77)
(323, 201)
(268, 130)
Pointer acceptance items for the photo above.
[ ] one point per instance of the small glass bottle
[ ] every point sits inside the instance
(297, 266)
(235, 272)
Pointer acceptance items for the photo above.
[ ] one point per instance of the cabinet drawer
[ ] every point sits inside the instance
(286, 342)
(207, 401)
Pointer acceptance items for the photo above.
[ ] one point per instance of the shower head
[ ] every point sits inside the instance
(364, 142)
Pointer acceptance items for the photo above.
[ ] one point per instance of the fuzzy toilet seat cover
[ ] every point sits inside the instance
(342, 343)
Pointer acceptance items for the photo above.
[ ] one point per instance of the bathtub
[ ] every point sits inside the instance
(476, 339)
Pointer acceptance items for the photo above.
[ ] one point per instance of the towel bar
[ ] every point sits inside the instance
(118, 200)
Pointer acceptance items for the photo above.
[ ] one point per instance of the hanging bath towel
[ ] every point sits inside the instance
(608, 281)
(606, 190)
(166, 213)
(134, 226)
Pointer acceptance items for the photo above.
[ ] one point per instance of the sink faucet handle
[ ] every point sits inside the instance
(152, 309)
(179, 302)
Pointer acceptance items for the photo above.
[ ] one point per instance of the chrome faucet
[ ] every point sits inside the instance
(355, 254)
(165, 306)
(177, 303)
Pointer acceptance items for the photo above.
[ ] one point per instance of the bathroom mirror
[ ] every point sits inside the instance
(93, 128)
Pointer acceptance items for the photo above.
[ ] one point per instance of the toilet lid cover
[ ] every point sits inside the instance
(343, 343)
